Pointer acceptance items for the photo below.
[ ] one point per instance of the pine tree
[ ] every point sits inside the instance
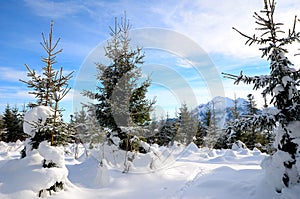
(234, 110)
(167, 134)
(187, 125)
(121, 97)
(212, 131)
(282, 85)
(199, 137)
(87, 128)
(49, 89)
(2, 129)
(251, 105)
(234, 132)
(12, 123)
(252, 130)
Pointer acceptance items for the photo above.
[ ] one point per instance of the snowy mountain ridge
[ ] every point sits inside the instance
(222, 107)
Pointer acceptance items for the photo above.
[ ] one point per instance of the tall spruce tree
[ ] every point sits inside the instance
(234, 132)
(49, 89)
(251, 131)
(201, 131)
(211, 128)
(282, 85)
(121, 97)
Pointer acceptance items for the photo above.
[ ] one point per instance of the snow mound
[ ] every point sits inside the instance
(238, 145)
(52, 154)
(116, 159)
(192, 147)
(27, 174)
(38, 114)
(212, 153)
(230, 153)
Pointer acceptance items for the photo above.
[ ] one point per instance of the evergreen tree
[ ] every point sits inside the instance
(187, 125)
(234, 110)
(199, 137)
(87, 128)
(166, 135)
(251, 105)
(252, 130)
(49, 89)
(282, 84)
(212, 131)
(121, 97)
(2, 129)
(12, 123)
(234, 132)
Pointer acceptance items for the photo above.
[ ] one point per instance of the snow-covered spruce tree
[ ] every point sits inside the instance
(87, 129)
(212, 132)
(187, 125)
(49, 89)
(251, 131)
(282, 85)
(121, 95)
(234, 132)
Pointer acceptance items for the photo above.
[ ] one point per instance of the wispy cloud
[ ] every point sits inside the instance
(54, 9)
(11, 75)
(210, 23)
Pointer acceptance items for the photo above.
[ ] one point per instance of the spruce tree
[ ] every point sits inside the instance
(49, 89)
(282, 85)
(168, 132)
(211, 128)
(12, 123)
(199, 137)
(187, 125)
(234, 110)
(87, 128)
(234, 132)
(251, 105)
(121, 96)
(252, 130)
(2, 129)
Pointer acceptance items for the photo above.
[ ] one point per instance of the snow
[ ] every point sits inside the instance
(175, 172)
(37, 114)
(52, 154)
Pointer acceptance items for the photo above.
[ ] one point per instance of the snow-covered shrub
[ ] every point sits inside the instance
(40, 125)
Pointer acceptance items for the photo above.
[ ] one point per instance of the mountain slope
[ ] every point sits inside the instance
(222, 106)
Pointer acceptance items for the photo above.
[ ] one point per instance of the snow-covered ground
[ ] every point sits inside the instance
(177, 172)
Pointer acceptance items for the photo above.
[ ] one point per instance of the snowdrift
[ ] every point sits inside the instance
(176, 172)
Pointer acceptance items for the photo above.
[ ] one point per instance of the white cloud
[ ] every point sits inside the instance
(210, 22)
(184, 63)
(11, 74)
(54, 9)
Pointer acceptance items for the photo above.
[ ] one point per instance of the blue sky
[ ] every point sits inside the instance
(198, 35)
